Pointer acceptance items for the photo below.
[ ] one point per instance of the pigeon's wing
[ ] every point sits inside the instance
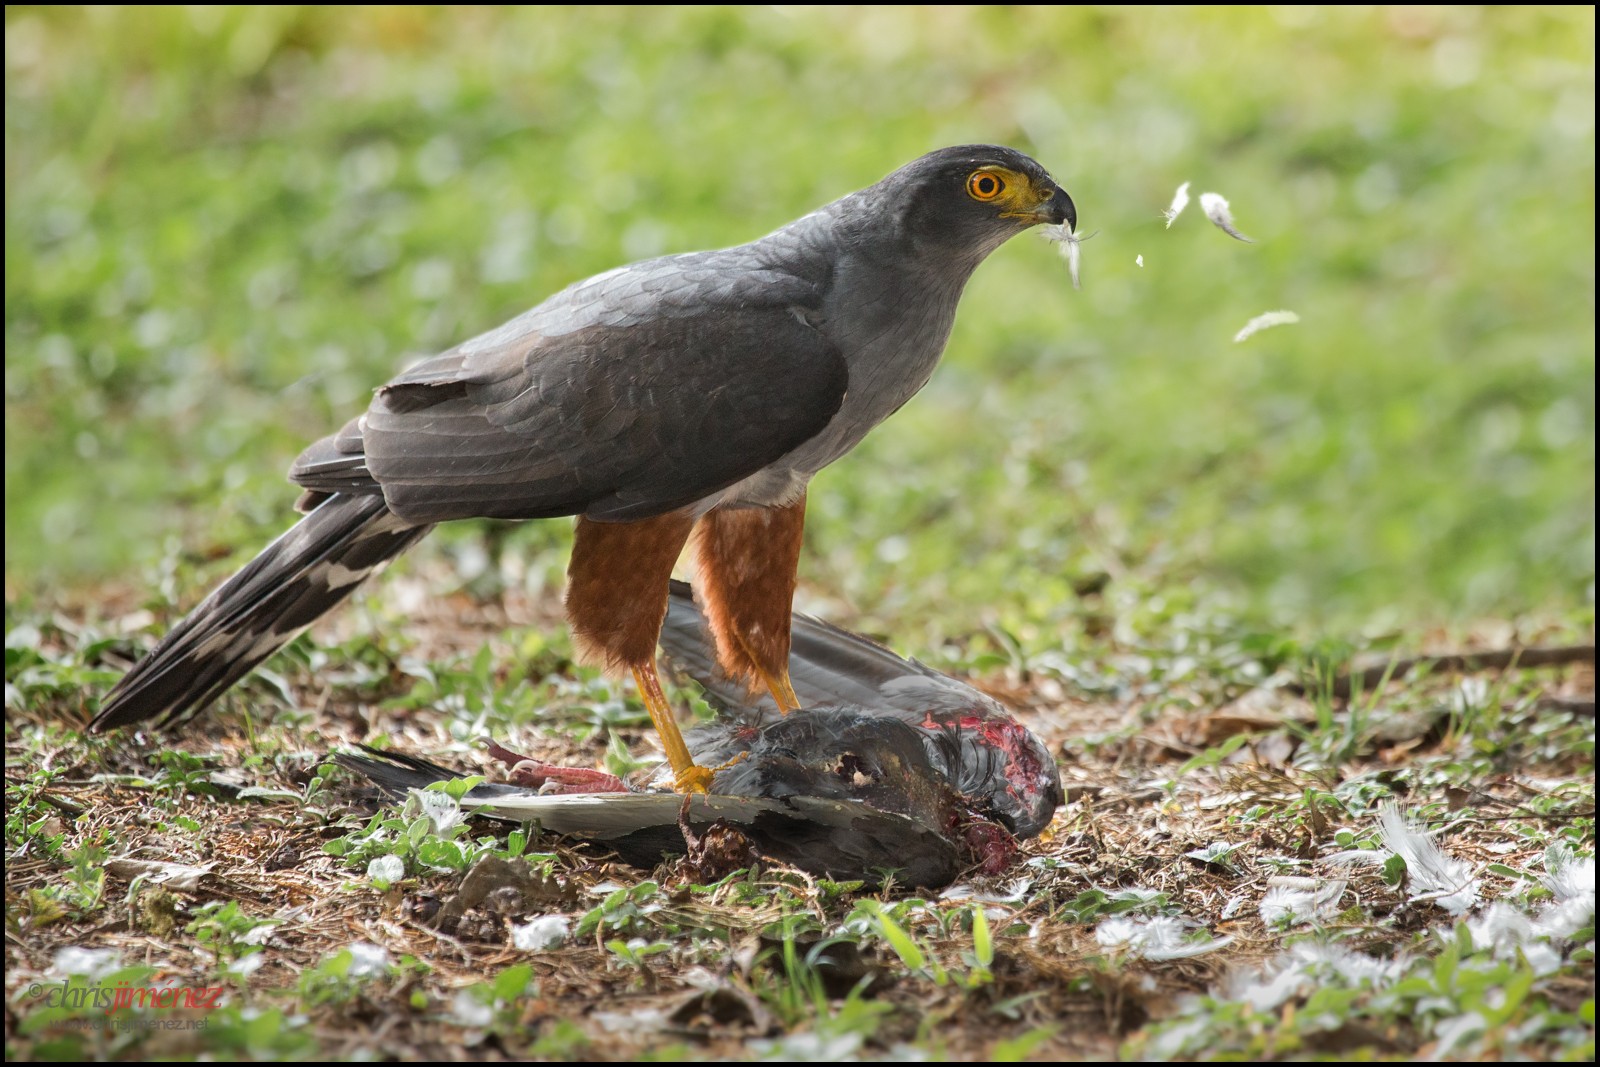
(827, 666)
(837, 839)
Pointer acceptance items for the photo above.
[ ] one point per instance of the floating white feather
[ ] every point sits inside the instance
(1215, 205)
(1067, 243)
(1180, 200)
(1265, 320)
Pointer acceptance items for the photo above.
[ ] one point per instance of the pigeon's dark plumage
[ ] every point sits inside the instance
(970, 739)
(890, 765)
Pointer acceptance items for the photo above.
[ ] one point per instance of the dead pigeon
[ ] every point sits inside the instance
(890, 765)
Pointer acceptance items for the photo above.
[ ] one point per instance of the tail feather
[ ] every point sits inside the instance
(297, 579)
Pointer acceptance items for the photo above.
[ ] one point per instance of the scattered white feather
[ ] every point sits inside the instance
(1348, 966)
(368, 960)
(1173, 1041)
(1359, 857)
(544, 933)
(809, 1047)
(1542, 957)
(1215, 205)
(260, 933)
(634, 1021)
(1451, 1032)
(245, 966)
(1265, 320)
(1506, 932)
(441, 809)
(1567, 877)
(1571, 882)
(1015, 893)
(1565, 919)
(1139, 259)
(1163, 937)
(91, 962)
(386, 869)
(1067, 244)
(1500, 927)
(1301, 900)
(1266, 990)
(467, 1010)
(1305, 966)
(1180, 200)
(1434, 876)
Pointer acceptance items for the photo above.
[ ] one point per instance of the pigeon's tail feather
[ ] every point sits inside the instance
(394, 772)
(297, 579)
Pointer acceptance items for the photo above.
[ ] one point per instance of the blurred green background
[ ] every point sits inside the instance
(225, 226)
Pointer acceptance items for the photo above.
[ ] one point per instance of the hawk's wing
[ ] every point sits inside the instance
(636, 392)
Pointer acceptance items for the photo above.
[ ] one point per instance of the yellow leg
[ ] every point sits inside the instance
(690, 778)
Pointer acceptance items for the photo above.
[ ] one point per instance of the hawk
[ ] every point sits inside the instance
(689, 396)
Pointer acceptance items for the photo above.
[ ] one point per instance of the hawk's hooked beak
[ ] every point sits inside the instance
(1053, 209)
(1059, 209)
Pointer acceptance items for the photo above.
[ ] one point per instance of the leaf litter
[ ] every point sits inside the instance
(1065, 948)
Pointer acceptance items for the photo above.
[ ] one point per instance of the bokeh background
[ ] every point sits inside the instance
(224, 227)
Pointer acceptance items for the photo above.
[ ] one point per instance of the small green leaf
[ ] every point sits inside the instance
(512, 982)
(445, 854)
(903, 944)
(1017, 1049)
(982, 943)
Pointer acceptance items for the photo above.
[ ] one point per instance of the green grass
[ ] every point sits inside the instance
(224, 228)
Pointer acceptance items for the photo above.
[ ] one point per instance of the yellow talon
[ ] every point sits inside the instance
(740, 758)
(694, 779)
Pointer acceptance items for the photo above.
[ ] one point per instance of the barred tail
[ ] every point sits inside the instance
(297, 579)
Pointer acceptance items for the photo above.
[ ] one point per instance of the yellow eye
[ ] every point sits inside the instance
(985, 185)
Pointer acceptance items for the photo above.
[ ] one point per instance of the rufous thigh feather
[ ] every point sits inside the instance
(617, 587)
(746, 560)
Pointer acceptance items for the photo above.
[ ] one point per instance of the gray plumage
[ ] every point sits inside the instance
(689, 381)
